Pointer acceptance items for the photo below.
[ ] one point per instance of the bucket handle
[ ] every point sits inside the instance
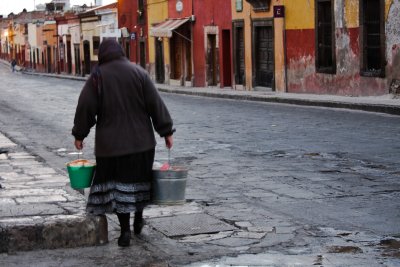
(169, 157)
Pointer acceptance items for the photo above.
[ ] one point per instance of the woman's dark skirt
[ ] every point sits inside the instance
(121, 184)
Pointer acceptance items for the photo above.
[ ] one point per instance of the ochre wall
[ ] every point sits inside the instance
(248, 15)
(157, 12)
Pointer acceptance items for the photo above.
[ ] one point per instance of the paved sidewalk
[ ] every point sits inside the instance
(38, 210)
(389, 103)
(384, 104)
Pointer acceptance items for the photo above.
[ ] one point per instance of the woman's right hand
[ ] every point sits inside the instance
(169, 141)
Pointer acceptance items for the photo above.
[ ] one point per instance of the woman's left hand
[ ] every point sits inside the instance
(79, 144)
(169, 141)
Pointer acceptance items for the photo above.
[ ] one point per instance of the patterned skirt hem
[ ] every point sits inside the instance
(117, 197)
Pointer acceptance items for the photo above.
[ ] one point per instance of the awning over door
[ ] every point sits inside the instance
(166, 28)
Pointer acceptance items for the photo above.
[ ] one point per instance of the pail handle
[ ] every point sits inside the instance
(169, 157)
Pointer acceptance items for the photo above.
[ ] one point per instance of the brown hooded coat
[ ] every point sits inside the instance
(129, 107)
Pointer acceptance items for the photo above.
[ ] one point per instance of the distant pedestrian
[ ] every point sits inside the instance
(13, 64)
(122, 101)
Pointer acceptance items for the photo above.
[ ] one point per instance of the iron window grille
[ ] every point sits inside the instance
(325, 58)
(372, 38)
(260, 5)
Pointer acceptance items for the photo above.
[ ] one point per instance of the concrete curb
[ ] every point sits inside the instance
(380, 108)
(64, 231)
(38, 210)
(69, 77)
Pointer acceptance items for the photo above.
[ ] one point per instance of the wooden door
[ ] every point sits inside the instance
(176, 58)
(160, 73)
(263, 56)
(212, 68)
(239, 55)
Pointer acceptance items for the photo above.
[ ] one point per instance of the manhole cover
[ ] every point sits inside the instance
(189, 224)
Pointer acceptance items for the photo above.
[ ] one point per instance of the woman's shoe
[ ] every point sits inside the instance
(138, 224)
(125, 239)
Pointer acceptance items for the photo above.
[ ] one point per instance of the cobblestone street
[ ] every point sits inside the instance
(283, 185)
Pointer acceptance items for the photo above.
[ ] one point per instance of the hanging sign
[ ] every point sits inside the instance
(179, 6)
(279, 11)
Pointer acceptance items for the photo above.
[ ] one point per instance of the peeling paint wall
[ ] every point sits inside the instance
(302, 74)
(392, 30)
(212, 17)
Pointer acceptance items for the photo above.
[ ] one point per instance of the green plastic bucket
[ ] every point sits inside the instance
(80, 176)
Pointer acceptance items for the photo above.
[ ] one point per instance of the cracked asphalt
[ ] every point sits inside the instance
(301, 185)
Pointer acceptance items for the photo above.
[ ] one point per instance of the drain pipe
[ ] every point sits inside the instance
(285, 50)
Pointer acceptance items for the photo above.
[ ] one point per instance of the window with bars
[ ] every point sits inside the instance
(325, 59)
(372, 38)
(260, 5)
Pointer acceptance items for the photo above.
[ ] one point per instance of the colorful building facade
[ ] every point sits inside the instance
(132, 21)
(194, 43)
(159, 61)
(68, 30)
(50, 46)
(212, 43)
(347, 47)
(258, 45)
(174, 44)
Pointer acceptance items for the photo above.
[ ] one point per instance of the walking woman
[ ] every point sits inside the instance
(121, 100)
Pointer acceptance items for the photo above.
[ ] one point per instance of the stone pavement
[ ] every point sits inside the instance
(37, 208)
(40, 211)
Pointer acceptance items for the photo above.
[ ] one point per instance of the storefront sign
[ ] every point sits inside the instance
(279, 11)
(133, 36)
(179, 6)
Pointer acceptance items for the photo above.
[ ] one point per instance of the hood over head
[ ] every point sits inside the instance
(110, 50)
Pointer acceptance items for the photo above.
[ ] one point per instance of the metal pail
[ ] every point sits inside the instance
(169, 186)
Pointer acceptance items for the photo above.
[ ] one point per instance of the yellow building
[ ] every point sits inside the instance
(159, 60)
(258, 45)
(50, 38)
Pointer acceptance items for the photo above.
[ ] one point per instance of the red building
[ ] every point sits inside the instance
(199, 37)
(132, 19)
(212, 43)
